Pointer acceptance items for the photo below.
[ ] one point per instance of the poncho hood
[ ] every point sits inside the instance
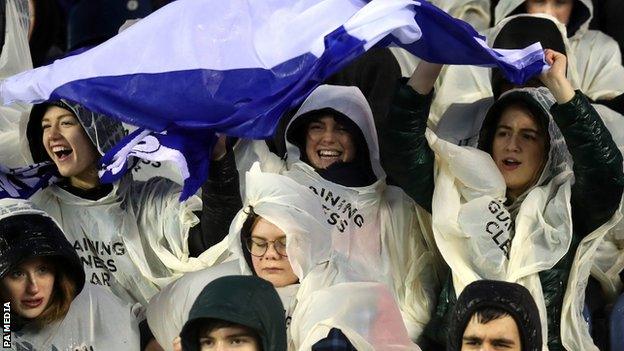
(27, 232)
(246, 300)
(104, 132)
(512, 298)
(582, 13)
(291, 207)
(349, 104)
(538, 101)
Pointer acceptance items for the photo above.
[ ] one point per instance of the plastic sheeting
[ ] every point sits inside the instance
(378, 228)
(367, 318)
(478, 246)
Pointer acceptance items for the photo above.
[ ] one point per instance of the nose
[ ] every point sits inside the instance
(329, 136)
(32, 285)
(549, 9)
(513, 144)
(271, 253)
(52, 132)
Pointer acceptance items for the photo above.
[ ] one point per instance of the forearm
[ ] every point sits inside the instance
(597, 166)
(220, 203)
(406, 154)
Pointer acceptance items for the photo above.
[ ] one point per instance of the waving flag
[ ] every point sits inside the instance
(234, 67)
(23, 182)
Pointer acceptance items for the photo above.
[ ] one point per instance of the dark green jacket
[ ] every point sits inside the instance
(596, 192)
(246, 300)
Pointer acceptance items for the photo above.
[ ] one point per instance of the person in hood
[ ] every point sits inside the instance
(598, 61)
(243, 311)
(280, 235)
(333, 150)
(493, 314)
(133, 237)
(42, 279)
(520, 217)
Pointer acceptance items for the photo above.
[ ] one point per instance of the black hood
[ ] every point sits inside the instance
(512, 298)
(246, 300)
(103, 131)
(29, 234)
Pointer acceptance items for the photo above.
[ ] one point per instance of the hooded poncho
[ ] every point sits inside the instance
(134, 238)
(594, 67)
(481, 238)
(376, 227)
(95, 320)
(14, 59)
(328, 292)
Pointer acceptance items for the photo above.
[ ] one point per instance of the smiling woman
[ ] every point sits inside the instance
(69, 147)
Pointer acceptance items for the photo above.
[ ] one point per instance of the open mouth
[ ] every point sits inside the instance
(511, 163)
(329, 154)
(62, 152)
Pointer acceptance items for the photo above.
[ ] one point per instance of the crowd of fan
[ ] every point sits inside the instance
(403, 205)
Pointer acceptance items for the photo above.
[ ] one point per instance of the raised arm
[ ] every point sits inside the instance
(406, 156)
(599, 180)
(220, 201)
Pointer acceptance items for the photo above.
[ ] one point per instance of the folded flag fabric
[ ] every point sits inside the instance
(235, 67)
(23, 182)
(179, 147)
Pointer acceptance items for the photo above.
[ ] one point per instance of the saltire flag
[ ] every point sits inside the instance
(235, 67)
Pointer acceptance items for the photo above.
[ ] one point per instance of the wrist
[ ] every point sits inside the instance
(561, 89)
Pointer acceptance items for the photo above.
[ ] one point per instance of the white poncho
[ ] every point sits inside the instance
(376, 227)
(479, 238)
(329, 294)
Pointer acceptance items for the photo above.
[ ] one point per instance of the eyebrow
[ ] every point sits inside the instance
(61, 116)
(522, 129)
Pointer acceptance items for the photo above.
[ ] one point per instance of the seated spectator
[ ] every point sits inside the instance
(492, 315)
(281, 236)
(41, 276)
(513, 212)
(242, 312)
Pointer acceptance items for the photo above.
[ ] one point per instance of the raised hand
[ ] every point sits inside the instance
(555, 77)
(424, 77)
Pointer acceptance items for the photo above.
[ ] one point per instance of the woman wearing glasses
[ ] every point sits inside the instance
(280, 235)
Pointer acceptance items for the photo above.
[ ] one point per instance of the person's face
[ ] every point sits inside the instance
(68, 145)
(272, 266)
(560, 9)
(29, 287)
(518, 149)
(328, 142)
(497, 334)
(228, 338)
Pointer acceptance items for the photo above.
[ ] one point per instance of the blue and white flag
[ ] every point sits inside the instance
(235, 67)
(188, 150)
(23, 182)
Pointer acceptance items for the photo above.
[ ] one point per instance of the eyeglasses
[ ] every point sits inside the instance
(258, 247)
